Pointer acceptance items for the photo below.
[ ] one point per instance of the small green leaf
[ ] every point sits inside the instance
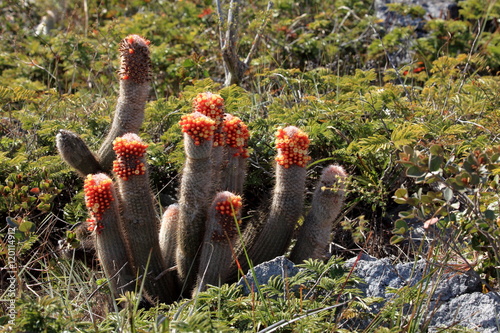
(436, 150)
(26, 226)
(401, 224)
(435, 163)
(490, 215)
(188, 63)
(426, 199)
(401, 193)
(414, 171)
(396, 239)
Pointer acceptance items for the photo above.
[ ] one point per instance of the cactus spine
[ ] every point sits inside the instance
(327, 202)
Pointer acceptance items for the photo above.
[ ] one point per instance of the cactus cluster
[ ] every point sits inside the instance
(200, 240)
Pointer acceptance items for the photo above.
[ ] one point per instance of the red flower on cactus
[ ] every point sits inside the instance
(228, 206)
(93, 225)
(130, 151)
(211, 105)
(98, 198)
(237, 135)
(198, 126)
(135, 59)
(292, 145)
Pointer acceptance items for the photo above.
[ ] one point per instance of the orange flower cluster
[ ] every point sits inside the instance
(228, 209)
(98, 198)
(93, 225)
(212, 106)
(198, 126)
(135, 59)
(236, 135)
(292, 144)
(229, 206)
(130, 151)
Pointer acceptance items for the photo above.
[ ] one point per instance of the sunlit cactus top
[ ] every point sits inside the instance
(130, 151)
(228, 206)
(98, 198)
(292, 144)
(211, 105)
(333, 178)
(198, 126)
(135, 59)
(237, 135)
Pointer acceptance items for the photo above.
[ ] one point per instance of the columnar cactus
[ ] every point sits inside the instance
(220, 239)
(194, 192)
(288, 195)
(139, 218)
(76, 153)
(212, 106)
(168, 235)
(102, 202)
(196, 242)
(135, 77)
(326, 205)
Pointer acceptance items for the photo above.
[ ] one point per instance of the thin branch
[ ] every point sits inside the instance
(256, 40)
(234, 68)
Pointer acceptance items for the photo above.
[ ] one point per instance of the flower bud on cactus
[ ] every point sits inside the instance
(327, 203)
(237, 135)
(212, 106)
(198, 127)
(220, 238)
(130, 152)
(227, 212)
(135, 59)
(292, 145)
(100, 199)
(135, 75)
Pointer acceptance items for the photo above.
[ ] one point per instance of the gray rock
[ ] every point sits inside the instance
(380, 274)
(477, 311)
(279, 266)
(390, 20)
(454, 297)
(434, 9)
